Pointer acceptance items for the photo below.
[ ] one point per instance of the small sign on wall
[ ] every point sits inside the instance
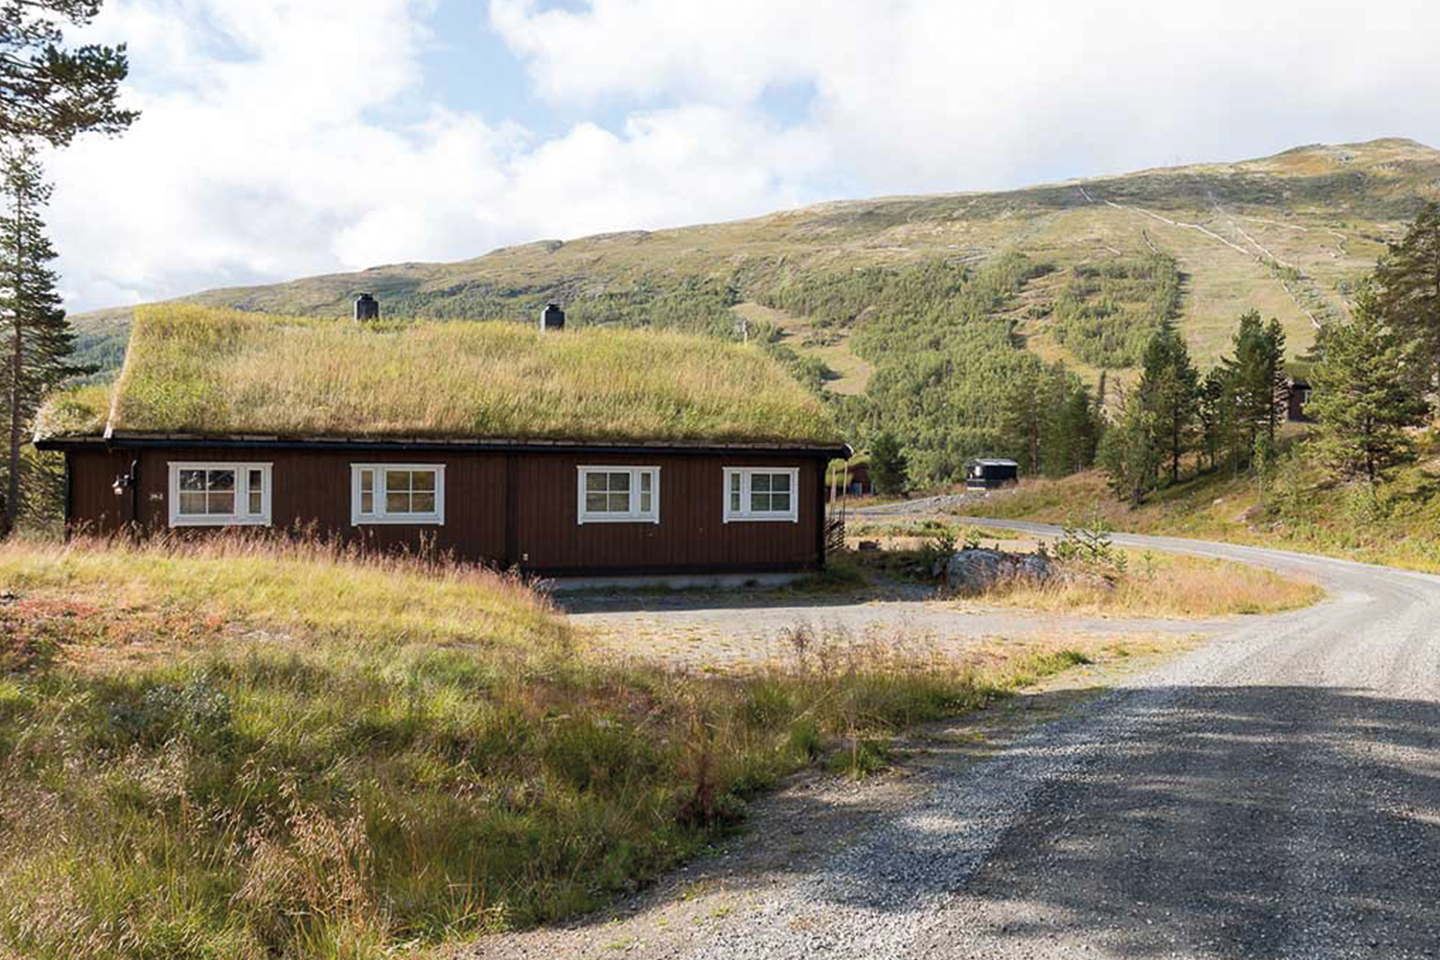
(157, 498)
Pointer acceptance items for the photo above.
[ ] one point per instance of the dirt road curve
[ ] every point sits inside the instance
(1275, 794)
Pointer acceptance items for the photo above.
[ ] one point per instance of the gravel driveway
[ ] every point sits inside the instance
(1274, 794)
(726, 630)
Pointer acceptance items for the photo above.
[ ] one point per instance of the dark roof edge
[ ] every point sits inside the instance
(117, 440)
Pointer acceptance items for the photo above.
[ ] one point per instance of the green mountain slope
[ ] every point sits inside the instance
(1077, 271)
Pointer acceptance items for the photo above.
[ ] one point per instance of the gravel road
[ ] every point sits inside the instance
(1275, 794)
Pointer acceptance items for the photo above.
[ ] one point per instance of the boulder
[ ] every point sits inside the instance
(977, 570)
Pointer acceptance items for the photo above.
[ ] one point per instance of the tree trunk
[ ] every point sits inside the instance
(17, 368)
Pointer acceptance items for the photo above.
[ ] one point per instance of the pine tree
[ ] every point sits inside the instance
(1256, 379)
(1363, 400)
(37, 339)
(1023, 421)
(889, 470)
(51, 93)
(1212, 410)
(1169, 385)
(1128, 452)
(1407, 293)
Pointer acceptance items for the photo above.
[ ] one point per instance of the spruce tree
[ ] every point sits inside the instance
(1363, 400)
(1169, 384)
(36, 337)
(1407, 293)
(889, 470)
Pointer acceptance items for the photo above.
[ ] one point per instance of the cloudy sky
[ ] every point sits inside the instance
(283, 138)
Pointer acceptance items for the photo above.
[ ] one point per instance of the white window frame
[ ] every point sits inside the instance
(745, 514)
(378, 515)
(241, 516)
(634, 514)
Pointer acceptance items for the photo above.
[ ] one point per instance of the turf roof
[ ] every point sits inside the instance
(206, 372)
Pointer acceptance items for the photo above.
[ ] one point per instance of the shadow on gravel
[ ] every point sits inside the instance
(1229, 822)
(634, 601)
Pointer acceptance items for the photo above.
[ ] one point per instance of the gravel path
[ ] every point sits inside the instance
(1275, 794)
(702, 631)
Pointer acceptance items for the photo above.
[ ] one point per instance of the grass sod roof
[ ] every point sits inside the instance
(207, 372)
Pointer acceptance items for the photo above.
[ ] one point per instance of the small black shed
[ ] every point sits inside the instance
(990, 473)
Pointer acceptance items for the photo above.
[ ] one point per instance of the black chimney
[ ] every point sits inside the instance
(367, 307)
(552, 318)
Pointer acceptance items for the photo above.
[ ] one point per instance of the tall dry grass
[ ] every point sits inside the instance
(1163, 585)
(241, 748)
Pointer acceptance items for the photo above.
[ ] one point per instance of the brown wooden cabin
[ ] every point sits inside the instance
(549, 508)
(852, 480)
(1297, 394)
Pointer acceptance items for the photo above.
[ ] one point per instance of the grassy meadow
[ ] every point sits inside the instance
(245, 749)
(197, 370)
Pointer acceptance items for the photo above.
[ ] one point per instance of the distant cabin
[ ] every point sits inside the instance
(991, 473)
(557, 452)
(851, 479)
(1297, 394)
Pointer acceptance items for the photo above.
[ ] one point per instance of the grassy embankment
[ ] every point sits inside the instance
(1151, 584)
(1166, 585)
(1305, 510)
(242, 750)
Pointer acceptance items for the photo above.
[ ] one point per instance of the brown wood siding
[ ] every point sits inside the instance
(508, 509)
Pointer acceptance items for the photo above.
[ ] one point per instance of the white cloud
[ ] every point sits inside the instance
(259, 157)
(957, 94)
(287, 137)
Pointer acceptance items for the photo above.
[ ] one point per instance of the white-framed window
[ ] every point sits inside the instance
(397, 493)
(762, 493)
(219, 494)
(609, 494)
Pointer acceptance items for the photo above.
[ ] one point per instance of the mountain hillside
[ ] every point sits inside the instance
(858, 294)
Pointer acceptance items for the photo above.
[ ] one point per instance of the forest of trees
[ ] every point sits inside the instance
(952, 382)
(1373, 378)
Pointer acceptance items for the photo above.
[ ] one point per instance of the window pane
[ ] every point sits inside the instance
(367, 481)
(423, 480)
(760, 482)
(594, 483)
(780, 482)
(367, 501)
(619, 503)
(256, 487)
(192, 504)
(221, 480)
(619, 482)
(646, 479)
(645, 502)
(780, 502)
(422, 503)
(396, 502)
(759, 502)
(397, 480)
(594, 503)
(192, 479)
(735, 493)
(222, 503)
